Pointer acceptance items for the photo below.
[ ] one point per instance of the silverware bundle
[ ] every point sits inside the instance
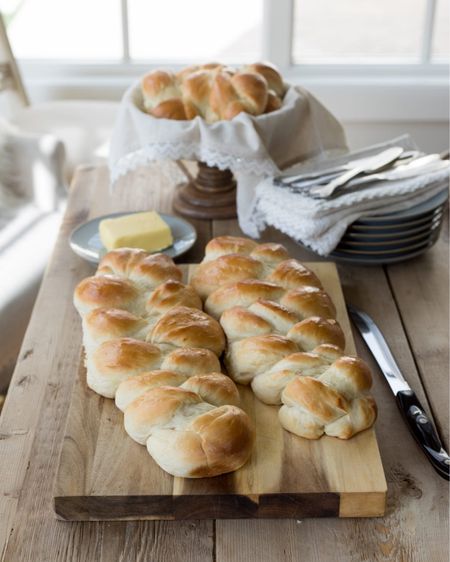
(394, 163)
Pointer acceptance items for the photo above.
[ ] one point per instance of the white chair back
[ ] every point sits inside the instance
(13, 94)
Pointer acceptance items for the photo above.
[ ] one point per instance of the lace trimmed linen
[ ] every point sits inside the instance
(251, 147)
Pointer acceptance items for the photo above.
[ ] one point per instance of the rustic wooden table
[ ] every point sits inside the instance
(409, 301)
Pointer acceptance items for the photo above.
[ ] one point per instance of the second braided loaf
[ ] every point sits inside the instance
(283, 338)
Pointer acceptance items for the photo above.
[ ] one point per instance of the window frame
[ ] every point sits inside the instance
(424, 83)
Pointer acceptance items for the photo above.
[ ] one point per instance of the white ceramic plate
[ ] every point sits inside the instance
(391, 234)
(381, 260)
(413, 213)
(85, 239)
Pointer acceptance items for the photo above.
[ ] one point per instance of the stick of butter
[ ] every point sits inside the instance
(138, 230)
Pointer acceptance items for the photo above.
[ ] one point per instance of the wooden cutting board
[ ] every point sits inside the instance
(104, 475)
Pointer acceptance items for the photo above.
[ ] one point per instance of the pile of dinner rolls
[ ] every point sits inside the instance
(212, 91)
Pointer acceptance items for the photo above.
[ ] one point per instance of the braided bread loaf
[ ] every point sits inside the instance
(283, 338)
(212, 91)
(149, 345)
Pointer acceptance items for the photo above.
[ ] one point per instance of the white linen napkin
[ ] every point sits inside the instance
(320, 224)
(252, 147)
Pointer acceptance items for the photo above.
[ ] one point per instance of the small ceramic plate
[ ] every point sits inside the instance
(85, 239)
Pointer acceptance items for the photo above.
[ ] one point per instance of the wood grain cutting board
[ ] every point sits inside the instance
(104, 475)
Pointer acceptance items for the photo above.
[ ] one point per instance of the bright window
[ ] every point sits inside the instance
(64, 29)
(361, 31)
(190, 30)
(179, 31)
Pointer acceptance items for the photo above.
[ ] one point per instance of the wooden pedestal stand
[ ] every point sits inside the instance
(211, 195)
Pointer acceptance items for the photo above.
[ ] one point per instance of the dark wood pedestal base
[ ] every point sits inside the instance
(211, 195)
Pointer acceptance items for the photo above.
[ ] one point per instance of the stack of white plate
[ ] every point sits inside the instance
(393, 237)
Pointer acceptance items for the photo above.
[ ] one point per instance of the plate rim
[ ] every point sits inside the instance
(392, 252)
(378, 260)
(437, 213)
(390, 242)
(382, 236)
(439, 198)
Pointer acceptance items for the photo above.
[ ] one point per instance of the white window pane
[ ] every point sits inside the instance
(195, 30)
(441, 35)
(358, 30)
(64, 29)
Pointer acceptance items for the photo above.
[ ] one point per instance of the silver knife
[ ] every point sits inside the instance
(288, 179)
(418, 422)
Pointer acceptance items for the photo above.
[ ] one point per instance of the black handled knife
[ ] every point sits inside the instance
(418, 422)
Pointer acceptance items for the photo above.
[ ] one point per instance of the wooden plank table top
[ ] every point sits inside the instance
(409, 302)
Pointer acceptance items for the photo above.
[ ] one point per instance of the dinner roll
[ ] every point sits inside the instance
(216, 442)
(116, 360)
(188, 327)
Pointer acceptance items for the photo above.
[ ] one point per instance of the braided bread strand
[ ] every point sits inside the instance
(149, 345)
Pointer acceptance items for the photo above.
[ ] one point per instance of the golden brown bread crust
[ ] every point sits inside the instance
(187, 436)
(106, 291)
(158, 407)
(231, 95)
(246, 358)
(150, 270)
(214, 388)
(243, 293)
(188, 327)
(217, 442)
(351, 375)
(224, 270)
(136, 386)
(116, 360)
(174, 108)
(291, 274)
(274, 102)
(314, 331)
(269, 254)
(271, 75)
(212, 91)
(172, 293)
(191, 361)
(158, 86)
(126, 354)
(309, 301)
(239, 322)
(106, 323)
(312, 408)
(224, 245)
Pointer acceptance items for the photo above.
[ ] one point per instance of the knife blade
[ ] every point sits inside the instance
(375, 164)
(419, 423)
(287, 179)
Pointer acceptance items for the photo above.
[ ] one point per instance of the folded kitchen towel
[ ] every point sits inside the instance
(320, 224)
